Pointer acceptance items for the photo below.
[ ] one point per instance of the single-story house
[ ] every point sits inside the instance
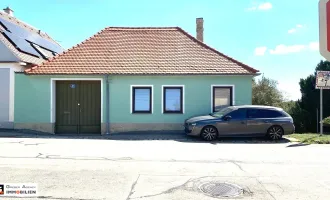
(21, 46)
(130, 79)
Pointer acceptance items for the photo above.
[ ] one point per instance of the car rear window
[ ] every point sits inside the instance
(261, 113)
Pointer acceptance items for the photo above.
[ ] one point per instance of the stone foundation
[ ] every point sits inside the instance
(114, 127)
(103, 128)
(42, 127)
(6, 125)
(135, 127)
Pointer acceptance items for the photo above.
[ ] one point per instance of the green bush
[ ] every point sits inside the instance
(300, 116)
(326, 120)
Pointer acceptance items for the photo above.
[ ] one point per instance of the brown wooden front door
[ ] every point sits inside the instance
(78, 107)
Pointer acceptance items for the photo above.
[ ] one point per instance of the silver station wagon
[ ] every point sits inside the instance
(241, 121)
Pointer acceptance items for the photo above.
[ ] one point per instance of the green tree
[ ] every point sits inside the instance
(265, 92)
(310, 100)
(297, 113)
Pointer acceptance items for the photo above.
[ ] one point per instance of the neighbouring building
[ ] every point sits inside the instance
(21, 45)
(130, 79)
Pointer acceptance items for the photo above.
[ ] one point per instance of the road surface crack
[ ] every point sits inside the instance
(265, 189)
(165, 192)
(39, 154)
(239, 166)
(132, 188)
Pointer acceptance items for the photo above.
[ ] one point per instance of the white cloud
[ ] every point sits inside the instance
(261, 6)
(295, 29)
(290, 89)
(287, 49)
(292, 31)
(284, 49)
(314, 46)
(260, 51)
(265, 6)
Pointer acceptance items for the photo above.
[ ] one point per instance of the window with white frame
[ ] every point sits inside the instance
(173, 99)
(222, 97)
(141, 99)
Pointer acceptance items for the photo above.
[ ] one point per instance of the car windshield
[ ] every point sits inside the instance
(222, 112)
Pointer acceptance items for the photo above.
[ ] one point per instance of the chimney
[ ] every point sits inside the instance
(199, 29)
(9, 11)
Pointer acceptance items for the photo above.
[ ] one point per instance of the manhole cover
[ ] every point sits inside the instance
(216, 189)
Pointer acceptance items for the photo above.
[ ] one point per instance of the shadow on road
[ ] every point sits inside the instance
(298, 145)
(136, 136)
(182, 137)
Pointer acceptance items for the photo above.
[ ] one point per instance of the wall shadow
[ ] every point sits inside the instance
(178, 136)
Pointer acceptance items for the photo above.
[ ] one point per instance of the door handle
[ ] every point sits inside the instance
(242, 122)
(266, 121)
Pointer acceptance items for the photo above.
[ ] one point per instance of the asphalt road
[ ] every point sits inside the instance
(166, 169)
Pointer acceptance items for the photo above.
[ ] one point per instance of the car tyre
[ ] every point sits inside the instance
(209, 133)
(275, 132)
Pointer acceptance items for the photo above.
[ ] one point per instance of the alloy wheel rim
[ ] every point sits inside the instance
(275, 133)
(209, 133)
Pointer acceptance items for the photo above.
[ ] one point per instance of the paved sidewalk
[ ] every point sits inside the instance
(138, 135)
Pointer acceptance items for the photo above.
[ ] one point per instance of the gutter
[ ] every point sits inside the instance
(107, 105)
(142, 74)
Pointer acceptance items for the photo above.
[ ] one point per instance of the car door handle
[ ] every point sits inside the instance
(266, 121)
(242, 122)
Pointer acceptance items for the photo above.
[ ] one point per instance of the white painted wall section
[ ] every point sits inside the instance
(7, 93)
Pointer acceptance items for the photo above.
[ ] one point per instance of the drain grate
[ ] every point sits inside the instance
(217, 189)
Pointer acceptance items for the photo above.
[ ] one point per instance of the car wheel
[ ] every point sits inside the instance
(209, 133)
(275, 132)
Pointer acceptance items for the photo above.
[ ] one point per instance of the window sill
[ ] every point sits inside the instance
(142, 112)
(174, 112)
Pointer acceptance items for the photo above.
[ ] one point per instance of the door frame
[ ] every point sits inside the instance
(53, 94)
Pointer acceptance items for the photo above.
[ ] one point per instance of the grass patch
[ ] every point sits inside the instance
(311, 138)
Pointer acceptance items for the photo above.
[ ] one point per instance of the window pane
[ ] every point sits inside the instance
(254, 113)
(258, 113)
(173, 99)
(272, 114)
(221, 98)
(142, 99)
(238, 114)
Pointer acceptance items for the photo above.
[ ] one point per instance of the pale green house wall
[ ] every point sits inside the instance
(32, 107)
(33, 97)
(197, 96)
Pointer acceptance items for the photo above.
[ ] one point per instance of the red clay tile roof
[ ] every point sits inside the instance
(142, 51)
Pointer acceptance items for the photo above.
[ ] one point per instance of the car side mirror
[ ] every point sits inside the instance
(227, 117)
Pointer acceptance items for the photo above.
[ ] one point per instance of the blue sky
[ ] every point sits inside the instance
(277, 37)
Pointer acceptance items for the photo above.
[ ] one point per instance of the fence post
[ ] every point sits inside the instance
(317, 120)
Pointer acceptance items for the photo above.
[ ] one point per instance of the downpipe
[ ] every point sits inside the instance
(107, 105)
